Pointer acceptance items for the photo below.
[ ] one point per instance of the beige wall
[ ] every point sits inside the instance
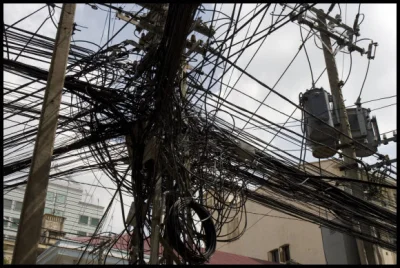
(8, 249)
(266, 233)
(385, 256)
(9, 245)
(388, 257)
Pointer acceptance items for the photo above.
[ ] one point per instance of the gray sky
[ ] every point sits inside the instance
(272, 59)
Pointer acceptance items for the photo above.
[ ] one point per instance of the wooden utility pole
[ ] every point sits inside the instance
(365, 249)
(35, 195)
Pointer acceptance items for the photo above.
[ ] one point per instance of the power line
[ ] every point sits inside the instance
(384, 106)
(105, 93)
(365, 78)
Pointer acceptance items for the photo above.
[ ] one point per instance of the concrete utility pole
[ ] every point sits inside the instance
(366, 250)
(155, 222)
(135, 242)
(35, 195)
(151, 147)
(176, 47)
(185, 140)
(130, 139)
(100, 260)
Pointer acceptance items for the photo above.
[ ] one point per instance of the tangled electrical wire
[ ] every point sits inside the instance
(116, 112)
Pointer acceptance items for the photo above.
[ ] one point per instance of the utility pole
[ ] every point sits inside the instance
(150, 148)
(177, 46)
(365, 249)
(157, 210)
(100, 260)
(135, 238)
(155, 223)
(35, 194)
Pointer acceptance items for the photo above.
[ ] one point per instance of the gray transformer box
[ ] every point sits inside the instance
(317, 102)
(363, 131)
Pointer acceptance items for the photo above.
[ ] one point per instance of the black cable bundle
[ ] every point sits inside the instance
(173, 228)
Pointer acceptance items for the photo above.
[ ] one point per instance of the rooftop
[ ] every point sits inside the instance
(218, 257)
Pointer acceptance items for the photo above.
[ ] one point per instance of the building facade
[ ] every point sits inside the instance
(63, 199)
(274, 236)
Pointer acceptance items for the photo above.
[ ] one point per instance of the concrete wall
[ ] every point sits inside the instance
(339, 248)
(266, 233)
(387, 257)
(9, 245)
(308, 243)
(336, 242)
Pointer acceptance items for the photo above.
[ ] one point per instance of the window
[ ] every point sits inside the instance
(53, 234)
(59, 213)
(50, 197)
(5, 222)
(285, 253)
(94, 221)
(7, 203)
(48, 211)
(81, 233)
(60, 198)
(14, 223)
(18, 206)
(274, 255)
(83, 219)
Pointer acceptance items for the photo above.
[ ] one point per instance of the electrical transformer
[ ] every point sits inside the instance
(364, 130)
(317, 102)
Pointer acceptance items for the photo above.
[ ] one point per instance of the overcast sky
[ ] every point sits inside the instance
(271, 60)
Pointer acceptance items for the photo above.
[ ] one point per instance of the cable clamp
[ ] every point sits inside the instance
(369, 52)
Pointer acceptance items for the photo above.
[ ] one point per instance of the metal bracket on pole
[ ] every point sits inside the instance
(348, 167)
(344, 145)
(369, 52)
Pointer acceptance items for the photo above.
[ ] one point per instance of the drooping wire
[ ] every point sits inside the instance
(308, 60)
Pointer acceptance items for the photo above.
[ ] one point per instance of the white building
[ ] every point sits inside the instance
(65, 199)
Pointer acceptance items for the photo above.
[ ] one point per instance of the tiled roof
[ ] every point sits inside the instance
(218, 257)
